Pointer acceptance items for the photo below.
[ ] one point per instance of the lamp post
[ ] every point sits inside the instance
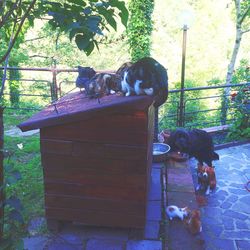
(183, 61)
(186, 18)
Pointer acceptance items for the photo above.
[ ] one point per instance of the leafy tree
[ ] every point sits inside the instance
(15, 59)
(83, 20)
(242, 21)
(242, 25)
(242, 73)
(140, 28)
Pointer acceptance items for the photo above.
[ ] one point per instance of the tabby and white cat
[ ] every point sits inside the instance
(146, 77)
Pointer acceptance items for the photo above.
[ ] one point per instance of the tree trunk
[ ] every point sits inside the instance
(225, 100)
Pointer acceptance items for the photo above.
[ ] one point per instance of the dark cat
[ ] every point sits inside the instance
(146, 77)
(84, 75)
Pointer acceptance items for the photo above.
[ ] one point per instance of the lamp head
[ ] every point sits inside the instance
(186, 19)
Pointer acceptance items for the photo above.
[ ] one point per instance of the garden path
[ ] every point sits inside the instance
(16, 132)
(225, 217)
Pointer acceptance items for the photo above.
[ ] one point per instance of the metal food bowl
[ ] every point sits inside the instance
(160, 152)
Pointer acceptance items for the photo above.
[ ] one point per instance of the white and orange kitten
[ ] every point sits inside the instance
(174, 211)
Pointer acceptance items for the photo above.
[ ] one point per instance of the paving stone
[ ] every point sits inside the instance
(241, 224)
(221, 193)
(247, 172)
(154, 210)
(232, 198)
(245, 199)
(213, 212)
(136, 234)
(158, 165)
(221, 183)
(243, 244)
(236, 234)
(183, 177)
(74, 232)
(234, 214)
(180, 238)
(237, 185)
(226, 205)
(220, 198)
(106, 233)
(155, 187)
(35, 243)
(209, 220)
(214, 202)
(96, 244)
(222, 244)
(226, 208)
(241, 208)
(179, 187)
(63, 246)
(236, 178)
(182, 199)
(228, 223)
(152, 230)
(71, 238)
(216, 230)
(144, 245)
(36, 225)
(16, 132)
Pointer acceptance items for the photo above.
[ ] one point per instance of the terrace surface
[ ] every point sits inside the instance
(225, 212)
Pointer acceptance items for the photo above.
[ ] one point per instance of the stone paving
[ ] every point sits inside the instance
(226, 217)
(79, 237)
(16, 132)
(180, 192)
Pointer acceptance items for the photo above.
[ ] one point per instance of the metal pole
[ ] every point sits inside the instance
(54, 92)
(1, 173)
(184, 43)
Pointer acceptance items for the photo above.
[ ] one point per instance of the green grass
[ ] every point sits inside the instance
(12, 119)
(29, 189)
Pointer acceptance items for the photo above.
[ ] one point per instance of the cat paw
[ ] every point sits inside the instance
(149, 91)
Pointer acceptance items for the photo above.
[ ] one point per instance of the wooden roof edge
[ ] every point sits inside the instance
(83, 115)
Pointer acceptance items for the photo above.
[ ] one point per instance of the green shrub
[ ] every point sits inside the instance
(240, 128)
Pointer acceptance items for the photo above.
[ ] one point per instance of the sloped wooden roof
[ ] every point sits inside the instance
(76, 106)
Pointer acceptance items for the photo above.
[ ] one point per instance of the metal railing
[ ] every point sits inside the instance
(196, 113)
(201, 106)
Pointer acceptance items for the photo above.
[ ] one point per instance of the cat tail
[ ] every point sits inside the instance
(215, 156)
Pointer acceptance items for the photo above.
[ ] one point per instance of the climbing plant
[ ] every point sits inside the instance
(140, 28)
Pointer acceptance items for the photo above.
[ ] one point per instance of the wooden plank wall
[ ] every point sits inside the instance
(97, 171)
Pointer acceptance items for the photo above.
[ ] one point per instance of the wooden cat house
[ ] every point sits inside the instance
(96, 159)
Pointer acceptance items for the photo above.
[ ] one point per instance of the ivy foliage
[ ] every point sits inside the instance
(140, 28)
